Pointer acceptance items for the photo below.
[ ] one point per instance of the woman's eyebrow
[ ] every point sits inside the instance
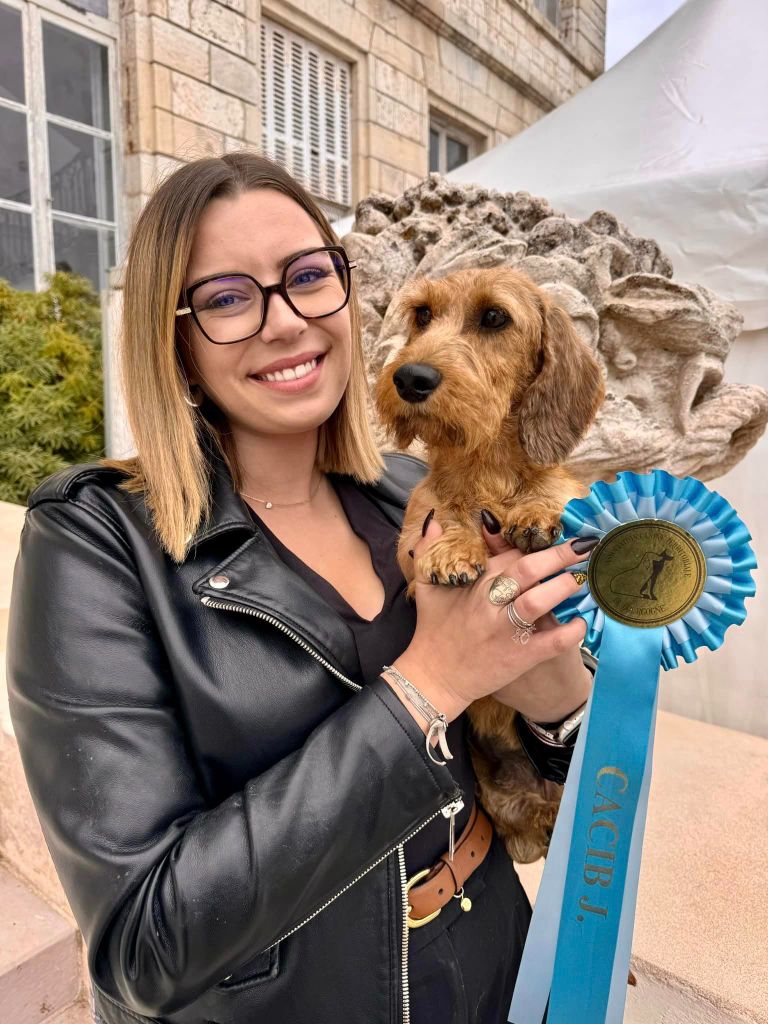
(279, 265)
(287, 259)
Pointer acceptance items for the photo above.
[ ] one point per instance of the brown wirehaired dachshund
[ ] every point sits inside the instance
(499, 387)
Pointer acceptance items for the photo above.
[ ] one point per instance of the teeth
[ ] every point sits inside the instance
(290, 373)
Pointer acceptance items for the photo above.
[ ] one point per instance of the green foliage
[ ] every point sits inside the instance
(51, 391)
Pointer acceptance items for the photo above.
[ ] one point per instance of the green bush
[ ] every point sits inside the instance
(51, 390)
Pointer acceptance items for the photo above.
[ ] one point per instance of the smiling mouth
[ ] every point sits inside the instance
(290, 372)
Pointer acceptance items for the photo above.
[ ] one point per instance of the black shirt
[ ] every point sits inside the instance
(382, 639)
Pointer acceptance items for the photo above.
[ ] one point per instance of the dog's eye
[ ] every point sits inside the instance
(423, 314)
(494, 318)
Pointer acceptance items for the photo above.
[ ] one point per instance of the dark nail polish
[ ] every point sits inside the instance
(490, 522)
(427, 521)
(410, 552)
(584, 544)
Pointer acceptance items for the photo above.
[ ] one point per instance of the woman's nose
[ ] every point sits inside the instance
(280, 320)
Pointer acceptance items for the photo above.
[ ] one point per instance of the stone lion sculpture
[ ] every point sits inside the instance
(662, 344)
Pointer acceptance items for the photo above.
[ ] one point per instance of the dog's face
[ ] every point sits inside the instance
(485, 346)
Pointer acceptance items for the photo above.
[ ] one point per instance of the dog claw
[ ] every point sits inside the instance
(464, 578)
(434, 578)
(453, 579)
(479, 569)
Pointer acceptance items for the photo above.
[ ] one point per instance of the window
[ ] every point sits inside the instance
(549, 8)
(57, 193)
(305, 114)
(450, 145)
(16, 247)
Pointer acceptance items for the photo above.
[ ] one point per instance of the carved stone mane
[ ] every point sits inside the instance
(662, 344)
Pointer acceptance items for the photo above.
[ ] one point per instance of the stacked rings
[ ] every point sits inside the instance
(503, 592)
(523, 629)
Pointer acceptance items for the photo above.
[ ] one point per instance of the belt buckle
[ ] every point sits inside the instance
(418, 922)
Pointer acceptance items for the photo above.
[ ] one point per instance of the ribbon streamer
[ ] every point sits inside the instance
(606, 805)
(576, 958)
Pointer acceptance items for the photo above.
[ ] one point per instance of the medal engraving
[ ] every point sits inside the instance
(647, 573)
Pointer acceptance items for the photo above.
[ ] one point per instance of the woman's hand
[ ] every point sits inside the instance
(549, 691)
(463, 646)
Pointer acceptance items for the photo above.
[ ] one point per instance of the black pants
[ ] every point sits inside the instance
(463, 965)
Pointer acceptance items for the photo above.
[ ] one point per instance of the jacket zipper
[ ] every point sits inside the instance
(229, 606)
(211, 603)
(404, 952)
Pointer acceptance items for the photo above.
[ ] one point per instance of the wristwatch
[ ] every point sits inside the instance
(549, 745)
(562, 731)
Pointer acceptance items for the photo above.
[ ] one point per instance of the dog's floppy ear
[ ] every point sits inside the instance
(562, 401)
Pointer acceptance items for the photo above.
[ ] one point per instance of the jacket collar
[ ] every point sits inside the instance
(253, 579)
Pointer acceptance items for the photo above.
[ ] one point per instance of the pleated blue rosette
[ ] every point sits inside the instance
(576, 957)
(711, 521)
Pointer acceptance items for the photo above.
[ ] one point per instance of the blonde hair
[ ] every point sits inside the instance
(170, 465)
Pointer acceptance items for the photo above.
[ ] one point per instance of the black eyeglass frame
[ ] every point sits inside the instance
(267, 290)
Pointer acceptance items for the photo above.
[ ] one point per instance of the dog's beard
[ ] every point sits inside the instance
(431, 432)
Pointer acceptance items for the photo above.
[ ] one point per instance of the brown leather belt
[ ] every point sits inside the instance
(431, 889)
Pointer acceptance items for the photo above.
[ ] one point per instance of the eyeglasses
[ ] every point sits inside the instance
(233, 307)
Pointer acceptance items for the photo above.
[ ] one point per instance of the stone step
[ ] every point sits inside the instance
(40, 958)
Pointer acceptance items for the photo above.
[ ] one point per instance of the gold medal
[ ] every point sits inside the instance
(647, 573)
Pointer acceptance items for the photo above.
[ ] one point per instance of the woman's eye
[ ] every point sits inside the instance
(224, 301)
(423, 315)
(494, 318)
(309, 276)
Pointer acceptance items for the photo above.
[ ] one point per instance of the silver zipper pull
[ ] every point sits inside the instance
(450, 811)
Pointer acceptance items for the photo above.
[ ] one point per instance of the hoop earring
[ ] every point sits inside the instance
(195, 405)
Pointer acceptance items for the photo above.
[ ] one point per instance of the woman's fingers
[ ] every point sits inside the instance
(542, 598)
(529, 569)
(548, 644)
(495, 542)
(431, 531)
(492, 535)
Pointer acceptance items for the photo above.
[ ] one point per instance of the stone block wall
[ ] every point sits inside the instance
(190, 76)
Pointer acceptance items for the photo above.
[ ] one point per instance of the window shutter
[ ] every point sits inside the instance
(305, 112)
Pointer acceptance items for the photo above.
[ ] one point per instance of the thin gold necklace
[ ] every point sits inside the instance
(289, 504)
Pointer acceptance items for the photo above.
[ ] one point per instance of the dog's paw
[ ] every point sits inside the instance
(532, 529)
(455, 561)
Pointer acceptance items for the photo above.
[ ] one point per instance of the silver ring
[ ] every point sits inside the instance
(503, 590)
(516, 620)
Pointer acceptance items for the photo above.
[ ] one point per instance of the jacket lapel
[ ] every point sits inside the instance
(259, 581)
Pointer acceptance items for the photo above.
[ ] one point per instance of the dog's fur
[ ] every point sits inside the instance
(512, 403)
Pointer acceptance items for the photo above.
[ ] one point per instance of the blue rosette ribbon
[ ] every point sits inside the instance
(576, 958)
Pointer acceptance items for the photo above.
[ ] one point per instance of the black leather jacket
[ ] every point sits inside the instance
(225, 806)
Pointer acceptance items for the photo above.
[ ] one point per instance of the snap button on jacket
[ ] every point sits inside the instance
(224, 802)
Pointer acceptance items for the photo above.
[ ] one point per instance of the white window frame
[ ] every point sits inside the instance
(290, 139)
(444, 127)
(99, 30)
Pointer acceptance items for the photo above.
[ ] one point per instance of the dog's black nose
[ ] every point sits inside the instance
(416, 381)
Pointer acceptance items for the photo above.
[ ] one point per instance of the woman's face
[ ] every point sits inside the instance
(254, 233)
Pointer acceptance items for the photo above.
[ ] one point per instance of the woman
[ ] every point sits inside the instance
(233, 791)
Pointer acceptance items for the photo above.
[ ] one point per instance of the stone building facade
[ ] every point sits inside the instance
(196, 81)
(108, 95)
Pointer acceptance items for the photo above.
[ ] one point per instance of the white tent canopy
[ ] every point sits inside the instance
(674, 141)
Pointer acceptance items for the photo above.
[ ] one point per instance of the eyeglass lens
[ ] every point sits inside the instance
(230, 308)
